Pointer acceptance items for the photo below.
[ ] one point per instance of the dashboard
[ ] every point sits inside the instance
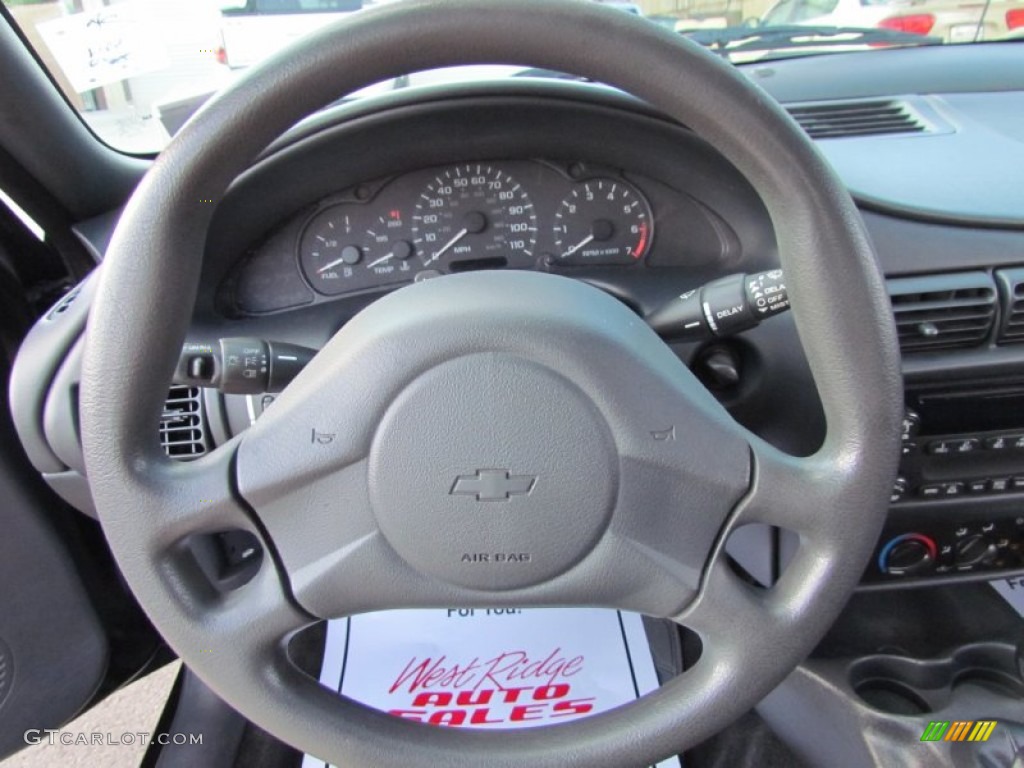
(584, 181)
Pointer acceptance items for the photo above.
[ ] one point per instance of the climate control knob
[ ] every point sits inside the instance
(975, 550)
(907, 554)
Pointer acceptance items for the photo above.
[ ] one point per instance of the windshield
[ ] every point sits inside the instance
(136, 70)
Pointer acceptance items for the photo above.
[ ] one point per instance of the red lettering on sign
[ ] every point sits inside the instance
(510, 672)
(526, 712)
(448, 717)
(471, 698)
(480, 717)
(548, 692)
(577, 707)
(433, 699)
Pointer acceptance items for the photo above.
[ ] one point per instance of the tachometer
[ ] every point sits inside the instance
(602, 221)
(474, 211)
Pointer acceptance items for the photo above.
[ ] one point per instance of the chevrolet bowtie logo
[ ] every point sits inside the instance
(493, 485)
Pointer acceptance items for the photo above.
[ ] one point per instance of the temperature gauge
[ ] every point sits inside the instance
(387, 249)
(602, 221)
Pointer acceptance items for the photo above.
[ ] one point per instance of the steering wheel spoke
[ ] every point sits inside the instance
(822, 504)
(795, 493)
(176, 505)
(330, 544)
(675, 496)
(183, 499)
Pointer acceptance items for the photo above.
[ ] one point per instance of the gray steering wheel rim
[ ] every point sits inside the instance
(149, 282)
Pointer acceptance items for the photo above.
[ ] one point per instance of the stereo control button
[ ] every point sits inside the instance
(941, 490)
(999, 484)
(899, 490)
(1000, 443)
(940, 447)
(952, 489)
(969, 445)
(911, 424)
(977, 486)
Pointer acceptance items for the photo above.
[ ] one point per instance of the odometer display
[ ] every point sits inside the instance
(474, 211)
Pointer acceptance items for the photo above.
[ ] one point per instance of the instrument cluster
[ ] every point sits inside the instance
(568, 217)
(479, 215)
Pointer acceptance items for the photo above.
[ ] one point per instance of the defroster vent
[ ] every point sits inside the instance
(943, 311)
(858, 118)
(183, 424)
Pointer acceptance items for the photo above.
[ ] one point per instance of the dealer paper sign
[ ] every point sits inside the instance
(106, 45)
(489, 668)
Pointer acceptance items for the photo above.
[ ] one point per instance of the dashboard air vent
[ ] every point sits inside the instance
(1011, 285)
(943, 311)
(183, 425)
(858, 118)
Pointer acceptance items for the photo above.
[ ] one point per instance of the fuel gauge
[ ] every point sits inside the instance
(330, 250)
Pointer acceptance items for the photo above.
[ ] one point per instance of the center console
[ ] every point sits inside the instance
(958, 501)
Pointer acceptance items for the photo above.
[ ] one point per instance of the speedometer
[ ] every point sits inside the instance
(474, 212)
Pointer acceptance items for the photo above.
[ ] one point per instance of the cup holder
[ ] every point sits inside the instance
(902, 685)
(892, 697)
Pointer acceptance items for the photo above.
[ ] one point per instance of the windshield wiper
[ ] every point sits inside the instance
(792, 37)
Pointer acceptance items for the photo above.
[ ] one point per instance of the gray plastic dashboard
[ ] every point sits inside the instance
(966, 173)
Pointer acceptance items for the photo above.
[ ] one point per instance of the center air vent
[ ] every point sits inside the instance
(858, 118)
(183, 426)
(1011, 285)
(943, 311)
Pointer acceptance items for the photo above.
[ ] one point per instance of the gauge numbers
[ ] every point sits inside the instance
(471, 212)
(348, 248)
(602, 221)
(473, 216)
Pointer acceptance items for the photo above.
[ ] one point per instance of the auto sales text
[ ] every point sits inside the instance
(510, 688)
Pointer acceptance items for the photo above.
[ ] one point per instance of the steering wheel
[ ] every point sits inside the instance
(539, 376)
